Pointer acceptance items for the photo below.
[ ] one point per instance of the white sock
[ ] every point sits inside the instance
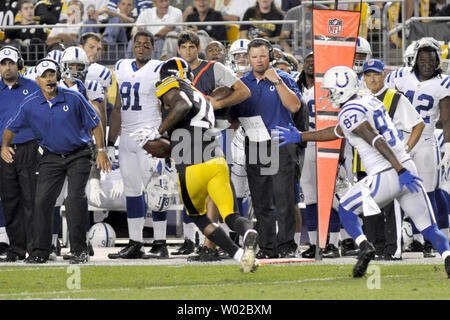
(297, 237)
(55, 239)
(4, 236)
(419, 237)
(360, 239)
(159, 230)
(189, 231)
(446, 232)
(135, 228)
(312, 237)
(334, 238)
(238, 255)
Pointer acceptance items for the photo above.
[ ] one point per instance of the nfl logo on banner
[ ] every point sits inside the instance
(335, 26)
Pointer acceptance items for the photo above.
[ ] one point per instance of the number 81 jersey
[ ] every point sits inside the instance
(137, 92)
(423, 95)
(368, 108)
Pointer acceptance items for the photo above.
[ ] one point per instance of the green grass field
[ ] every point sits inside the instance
(223, 282)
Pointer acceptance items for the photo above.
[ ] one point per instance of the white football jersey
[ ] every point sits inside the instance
(101, 74)
(423, 95)
(30, 73)
(138, 93)
(94, 90)
(368, 108)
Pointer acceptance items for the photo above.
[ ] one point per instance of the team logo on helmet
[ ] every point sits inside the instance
(335, 26)
(346, 80)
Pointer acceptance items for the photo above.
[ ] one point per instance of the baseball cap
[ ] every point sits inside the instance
(8, 53)
(45, 65)
(373, 64)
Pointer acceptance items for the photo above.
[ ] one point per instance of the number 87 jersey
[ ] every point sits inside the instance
(423, 95)
(138, 95)
(368, 108)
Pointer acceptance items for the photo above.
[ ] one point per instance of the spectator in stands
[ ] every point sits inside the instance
(8, 10)
(232, 10)
(263, 10)
(288, 4)
(139, 6)
(117, 37)
(30, 39)
(161, 12)
(202, 12)
(48, 11)
(303, 26)
(68, 35)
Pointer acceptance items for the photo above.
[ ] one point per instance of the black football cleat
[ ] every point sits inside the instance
(428, 250)
(349, 248)
(366, 253)
(331, 252)
(36, 259)
(187, 248)
(310, 253)
(4, 249)
(158, 250)
(205, 254)
(415, 246)
(12, 257)
(133, 250)
(78, 258)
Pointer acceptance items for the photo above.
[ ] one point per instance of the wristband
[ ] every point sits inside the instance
(401, 171)
(111, 144)
(375, 140)
(102, 150)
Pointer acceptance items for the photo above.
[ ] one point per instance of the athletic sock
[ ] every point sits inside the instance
(136, 212)
(219, 237)
(159, 225)
(350, 222)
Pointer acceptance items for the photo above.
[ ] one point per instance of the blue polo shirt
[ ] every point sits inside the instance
(265, 101)
(62, 124)
(10, 101)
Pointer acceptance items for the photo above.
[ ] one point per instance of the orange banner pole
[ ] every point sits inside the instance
(335, 34)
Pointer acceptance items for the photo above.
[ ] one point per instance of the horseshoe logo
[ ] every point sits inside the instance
(66, 108)
(346, 81)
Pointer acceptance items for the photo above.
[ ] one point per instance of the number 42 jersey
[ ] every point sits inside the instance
(140, 106)
(368, 108)
(423, 95)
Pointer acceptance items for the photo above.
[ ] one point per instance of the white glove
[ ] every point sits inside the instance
(95, 192)
(446, 159)
(117, 190)
(145, 134)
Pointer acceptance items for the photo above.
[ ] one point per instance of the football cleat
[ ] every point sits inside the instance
(35, 259)
(158, 250)
(415, 246)
(11, 257)
(82, 257)
(249, 257)
(187, 248)
(331, 252)
(366, 253)
(349, 248)
(133, 250)
(428, 250)
(310, 253)
(447, 266)
(205, 254)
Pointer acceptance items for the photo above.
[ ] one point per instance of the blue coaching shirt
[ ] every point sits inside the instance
(62, 124)
(265, 101)
(11, 99)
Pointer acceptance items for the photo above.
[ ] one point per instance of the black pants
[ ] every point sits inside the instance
(53, 169)
(17, 191)
(381, 230)
(274, 191)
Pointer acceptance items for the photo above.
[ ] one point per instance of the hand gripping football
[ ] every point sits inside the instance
(159, 148)
(221, 93)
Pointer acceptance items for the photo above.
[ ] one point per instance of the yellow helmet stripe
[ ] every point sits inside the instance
(180, 68)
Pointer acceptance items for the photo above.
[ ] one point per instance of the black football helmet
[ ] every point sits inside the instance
(176, 67)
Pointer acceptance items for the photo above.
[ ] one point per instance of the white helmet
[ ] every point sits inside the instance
(362, 46)
(239, 46)
(160, 193)
(55, 55)
(102, 235)
(424, 43)
(341, 82)
(409, 55)
(74, 55)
